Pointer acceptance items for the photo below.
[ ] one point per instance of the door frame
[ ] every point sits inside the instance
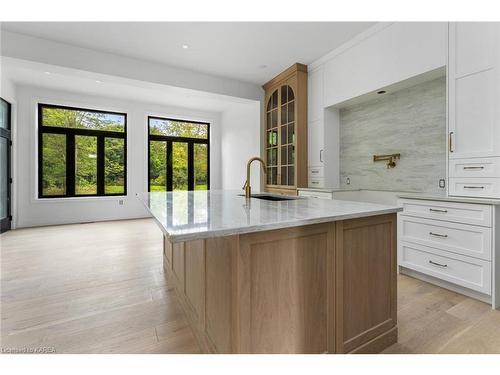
(6, 223)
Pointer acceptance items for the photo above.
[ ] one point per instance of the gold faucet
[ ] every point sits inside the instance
(246, 187)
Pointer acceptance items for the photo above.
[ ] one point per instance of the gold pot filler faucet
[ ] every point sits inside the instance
(246, 187)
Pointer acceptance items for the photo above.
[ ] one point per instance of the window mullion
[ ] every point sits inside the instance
(190, 166)
(100, 165)
(70, 165)
(170, 168)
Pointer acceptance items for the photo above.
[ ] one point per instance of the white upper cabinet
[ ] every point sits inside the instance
(315, 95)
(472, 47)
(393, 53)
(474, 80)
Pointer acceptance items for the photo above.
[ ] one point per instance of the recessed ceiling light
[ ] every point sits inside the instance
(47, 73)
(185, 46)
(97, 81)
(381, 92)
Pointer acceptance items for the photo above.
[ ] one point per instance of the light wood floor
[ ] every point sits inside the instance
(100, 288)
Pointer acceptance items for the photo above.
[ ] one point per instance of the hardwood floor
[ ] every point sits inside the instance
(90, 288)
(100, 288)
(435, 320)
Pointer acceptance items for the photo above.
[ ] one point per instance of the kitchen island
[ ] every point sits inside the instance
(299, 275)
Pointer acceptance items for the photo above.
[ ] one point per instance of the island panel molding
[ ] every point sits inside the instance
(321, 288)
(365, 263)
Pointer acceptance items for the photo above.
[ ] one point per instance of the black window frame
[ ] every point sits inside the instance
(6, 133)
(169, 140)
(70, 134)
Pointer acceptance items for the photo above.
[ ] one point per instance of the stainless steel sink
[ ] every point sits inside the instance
(269, 197)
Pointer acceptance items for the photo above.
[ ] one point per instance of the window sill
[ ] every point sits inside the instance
(81, 199)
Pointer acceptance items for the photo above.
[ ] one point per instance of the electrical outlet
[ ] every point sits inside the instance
(442, 183)
(120, 202)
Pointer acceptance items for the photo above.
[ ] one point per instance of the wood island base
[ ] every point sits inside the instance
(321, 288)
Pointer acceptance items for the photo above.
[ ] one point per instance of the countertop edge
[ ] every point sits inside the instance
(263, 228)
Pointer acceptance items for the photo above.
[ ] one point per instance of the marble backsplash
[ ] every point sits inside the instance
(411, 122)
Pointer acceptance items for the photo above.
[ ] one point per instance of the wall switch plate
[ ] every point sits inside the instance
(442, 183)
(120, 202)
(348, 181)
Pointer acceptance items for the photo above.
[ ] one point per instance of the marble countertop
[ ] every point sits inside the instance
(444, 198)
(192, 215)
(326, 190)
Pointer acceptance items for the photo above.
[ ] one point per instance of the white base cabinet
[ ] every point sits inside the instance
(451, 242)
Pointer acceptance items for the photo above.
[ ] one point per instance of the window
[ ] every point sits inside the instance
(81, 152)
(179, 156)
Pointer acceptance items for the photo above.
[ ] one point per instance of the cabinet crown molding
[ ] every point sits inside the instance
(297, 67)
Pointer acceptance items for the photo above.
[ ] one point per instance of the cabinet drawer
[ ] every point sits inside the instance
(315, 194)
(315, 172)
(475, 187)
(468, 272)
(317, 182)
(469, 240)
(466, 213)
(482, 167)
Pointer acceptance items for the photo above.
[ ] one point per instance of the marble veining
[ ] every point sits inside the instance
(412, 122)
(194, 215)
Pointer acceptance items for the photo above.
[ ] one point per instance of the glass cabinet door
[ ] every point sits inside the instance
(272, 139)
(287, 136)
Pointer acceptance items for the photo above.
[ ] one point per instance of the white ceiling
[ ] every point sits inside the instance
(29, 73)
(247, 51)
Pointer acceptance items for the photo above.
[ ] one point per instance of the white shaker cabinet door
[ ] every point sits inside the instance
(473, 46)
(315, 95)
(474, 94)
(316, 144)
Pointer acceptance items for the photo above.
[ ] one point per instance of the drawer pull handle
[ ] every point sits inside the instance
(437, 264)
(436, 210)
(438, 235)
(473, 167)
(313, 171)
(473, 187)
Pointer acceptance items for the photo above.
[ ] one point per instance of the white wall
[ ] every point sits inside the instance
(50, 52)
(240, 141)
(32, 211)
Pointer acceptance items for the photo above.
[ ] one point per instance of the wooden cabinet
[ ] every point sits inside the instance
(286, 130)
(178, 263)
(365, 284)
(194, 279)
(292, 290)
(474, 108)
